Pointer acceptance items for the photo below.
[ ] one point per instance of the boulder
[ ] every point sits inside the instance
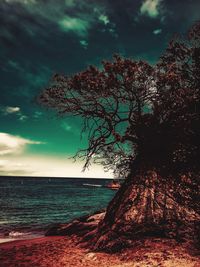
(80, 226)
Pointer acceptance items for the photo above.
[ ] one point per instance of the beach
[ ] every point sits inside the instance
(64, 200)
(64, 251)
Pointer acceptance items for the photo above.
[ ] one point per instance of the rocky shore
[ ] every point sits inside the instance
(67, 245)
(80, 227)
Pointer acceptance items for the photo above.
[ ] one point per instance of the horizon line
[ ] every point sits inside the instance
(57, 177)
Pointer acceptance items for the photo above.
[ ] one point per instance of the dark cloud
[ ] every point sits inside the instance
(39, 38)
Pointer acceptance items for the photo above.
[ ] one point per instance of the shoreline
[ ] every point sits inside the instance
(21, 234)
(64, 251)
(62, 247)
(28, 242)
(8, 239)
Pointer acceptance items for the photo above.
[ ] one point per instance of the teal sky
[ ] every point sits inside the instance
(41, 38)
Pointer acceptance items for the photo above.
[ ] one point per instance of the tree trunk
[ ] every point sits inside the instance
(144, 209)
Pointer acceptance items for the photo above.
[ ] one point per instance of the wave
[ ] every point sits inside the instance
(18, 234)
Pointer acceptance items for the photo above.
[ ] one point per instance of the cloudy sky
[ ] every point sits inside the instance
(41, 37)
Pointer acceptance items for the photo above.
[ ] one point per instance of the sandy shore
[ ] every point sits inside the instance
(63, 252)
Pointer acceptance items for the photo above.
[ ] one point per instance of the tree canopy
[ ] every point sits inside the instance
(138, 116)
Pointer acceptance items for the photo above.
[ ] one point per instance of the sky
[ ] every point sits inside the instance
(39, 38)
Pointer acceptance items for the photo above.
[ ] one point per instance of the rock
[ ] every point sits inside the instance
(80, 226)
(91, 255)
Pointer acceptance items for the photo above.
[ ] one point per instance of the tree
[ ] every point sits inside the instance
(109, 101)
(144, 120)
(178, 86)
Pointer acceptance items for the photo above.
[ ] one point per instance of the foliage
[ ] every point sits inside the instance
(178, 106)
(138, 117)
(111, 102)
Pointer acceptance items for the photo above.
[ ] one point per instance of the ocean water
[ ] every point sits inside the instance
(29, 206)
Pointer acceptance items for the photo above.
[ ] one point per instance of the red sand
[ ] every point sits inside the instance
(63, 252)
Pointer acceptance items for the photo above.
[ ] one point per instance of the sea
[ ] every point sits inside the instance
(30, 205)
